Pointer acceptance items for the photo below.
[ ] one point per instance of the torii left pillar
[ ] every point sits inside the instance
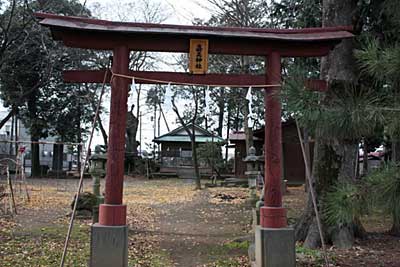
(109, 240)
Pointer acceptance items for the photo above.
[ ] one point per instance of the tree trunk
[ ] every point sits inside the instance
(132, 124)
(324, 173)
(11, 113)
(100, 123)
(192, 134)
(221, 111)
(228, 126)
(339, 69)
(346, 151)
(35, 158)
(395, 230)
(103, 132)
(204, 108)
(16, 133)
(237, 119)
(195, 161)
(334, 160)
(365, 158)
(79, 154)
(58, 157)
(11, 136)
(395, 150)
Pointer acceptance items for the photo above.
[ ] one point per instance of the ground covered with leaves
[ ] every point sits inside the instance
(170, 225)
(377, 249)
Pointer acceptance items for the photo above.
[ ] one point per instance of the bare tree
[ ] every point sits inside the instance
(190, 128)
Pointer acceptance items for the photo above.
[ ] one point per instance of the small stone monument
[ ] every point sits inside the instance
(252, 173)
(97, 170)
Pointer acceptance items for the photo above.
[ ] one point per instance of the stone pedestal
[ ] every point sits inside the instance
(109, 246)
(275, 247)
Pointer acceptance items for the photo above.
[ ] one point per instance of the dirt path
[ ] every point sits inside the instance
(194, 233)
(170, 225)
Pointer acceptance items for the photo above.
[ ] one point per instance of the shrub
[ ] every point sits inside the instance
(343, 204)
(384, 188)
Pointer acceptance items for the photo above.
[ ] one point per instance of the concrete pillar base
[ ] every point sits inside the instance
(275, 247)
(109, 246)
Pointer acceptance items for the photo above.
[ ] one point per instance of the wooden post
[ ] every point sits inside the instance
(273, 215)
(113, 213)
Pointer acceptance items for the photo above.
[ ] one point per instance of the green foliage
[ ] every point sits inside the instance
(30, 72)
(347, 112)
(238, 245)
(242, 13)
(211, 154)
(233, 262)
(379, 57)
(384, 187)
(296, 14)
(155, 96)
(309, 255)
(298, 101)
(44, 246)
(379, 190)
(343, 204)
(383, 64)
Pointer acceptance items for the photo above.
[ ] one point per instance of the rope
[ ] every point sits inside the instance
(196, 84)
(313, 198)
(41, 142)
(71, 223)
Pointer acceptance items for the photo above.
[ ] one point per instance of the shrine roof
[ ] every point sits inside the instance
(94, 25)
(180, 135)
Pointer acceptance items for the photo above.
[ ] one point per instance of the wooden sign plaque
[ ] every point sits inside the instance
(198, 56)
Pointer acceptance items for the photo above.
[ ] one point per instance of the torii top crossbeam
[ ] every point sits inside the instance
(105, 35)
(122, 38)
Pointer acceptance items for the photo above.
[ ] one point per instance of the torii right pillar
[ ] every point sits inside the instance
(275, 242)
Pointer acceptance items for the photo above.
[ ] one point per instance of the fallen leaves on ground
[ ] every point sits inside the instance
(228, 195)
(35, 237)
(242, 261)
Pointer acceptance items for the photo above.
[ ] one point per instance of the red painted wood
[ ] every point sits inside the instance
(116, 145)
(180, 44)
(97, 76)
(316, 85)
(273, 136)
(271, 217)
(272, 213)
(110, 24)
(112, 215)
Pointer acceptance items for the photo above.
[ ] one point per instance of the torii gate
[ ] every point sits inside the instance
(121, 38)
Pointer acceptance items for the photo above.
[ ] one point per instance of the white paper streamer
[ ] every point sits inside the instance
(208, 101)
(249, 97)
(133, 92)
(133, 85)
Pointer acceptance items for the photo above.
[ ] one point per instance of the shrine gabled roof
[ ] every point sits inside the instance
(180, 135)
(95, 25)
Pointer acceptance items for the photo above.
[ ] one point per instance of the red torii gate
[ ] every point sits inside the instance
(121, 38)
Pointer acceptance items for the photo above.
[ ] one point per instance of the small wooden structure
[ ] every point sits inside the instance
(238, 141)
(176, 151)
(293, 169)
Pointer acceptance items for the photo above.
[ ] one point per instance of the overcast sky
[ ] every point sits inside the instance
(180, 11)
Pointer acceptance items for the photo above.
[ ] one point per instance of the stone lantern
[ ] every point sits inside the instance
(252, 173)
(97, 170)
